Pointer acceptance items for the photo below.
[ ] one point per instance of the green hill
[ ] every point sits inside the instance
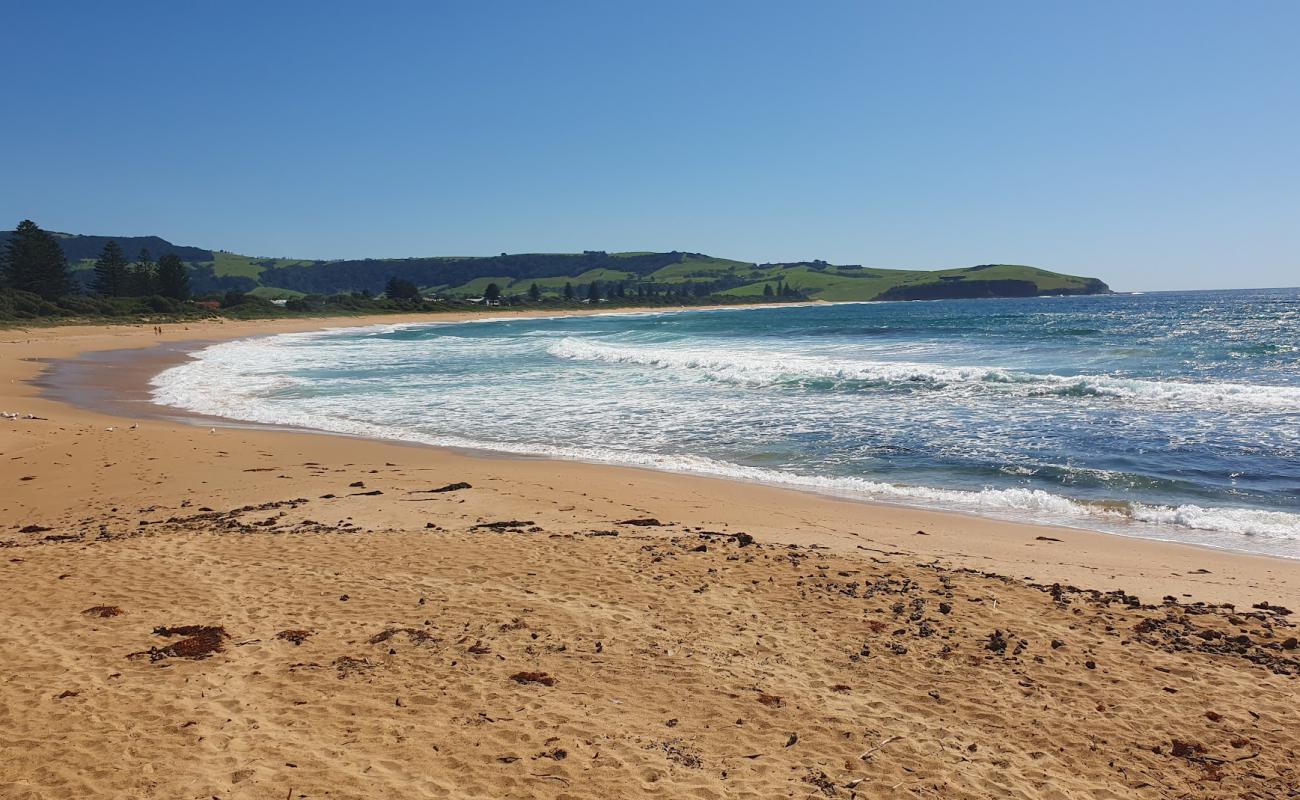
(651, 272)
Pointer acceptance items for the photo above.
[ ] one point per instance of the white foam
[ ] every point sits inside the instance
(756, 368)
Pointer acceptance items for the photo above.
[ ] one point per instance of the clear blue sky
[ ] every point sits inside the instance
(1155, 144)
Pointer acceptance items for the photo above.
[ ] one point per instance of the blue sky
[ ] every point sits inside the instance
(1154, 144)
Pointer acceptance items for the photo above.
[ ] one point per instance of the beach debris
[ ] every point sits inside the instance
(200, 642)
(643, 522)
(1182, 749)
(504, 525)
(103, 611)
(348, 666)
(793, 740)
(370, 493)
(451, 487)
(533, 677)
(867, 755)
(34, 529)
(678, 754)
(997, 642)
(821, 781)
(357, 485)
(413, 635)
(1279, 610)
(66, 693)
(294, 635)
(769, 700)
(1046, 539)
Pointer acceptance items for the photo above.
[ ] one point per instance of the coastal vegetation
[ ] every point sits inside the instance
(54, 276)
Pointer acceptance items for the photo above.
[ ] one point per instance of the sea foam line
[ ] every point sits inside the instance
(766, 369)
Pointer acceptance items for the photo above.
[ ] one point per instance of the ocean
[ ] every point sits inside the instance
(1172, 415)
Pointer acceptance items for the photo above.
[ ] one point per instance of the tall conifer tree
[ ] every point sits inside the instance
(111, 271)
(142, 276)
(32, 261)
(173, 280)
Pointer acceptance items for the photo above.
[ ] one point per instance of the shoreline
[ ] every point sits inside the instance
(1044, 553)
(239, 612)
(118, 383)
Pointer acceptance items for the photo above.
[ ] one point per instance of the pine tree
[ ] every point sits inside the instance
(32, 261)
(173, 280)
(398, 289)
(767, 290)
(110, 271)
(142, 278)
(492, 293)
(593, 292)
(534, 293)
(568, 291)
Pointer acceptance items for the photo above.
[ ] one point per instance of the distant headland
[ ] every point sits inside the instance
(221, 278)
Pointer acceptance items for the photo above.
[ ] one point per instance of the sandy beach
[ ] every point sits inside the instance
(236, 612)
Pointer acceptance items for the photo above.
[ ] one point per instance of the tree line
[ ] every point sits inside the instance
(116, 277)
(32, 261)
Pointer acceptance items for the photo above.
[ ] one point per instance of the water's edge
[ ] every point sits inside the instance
(1029, 506)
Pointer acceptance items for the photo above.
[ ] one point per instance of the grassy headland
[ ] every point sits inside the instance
(229, 284)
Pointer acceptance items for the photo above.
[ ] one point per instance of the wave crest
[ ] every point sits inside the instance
(767, 369)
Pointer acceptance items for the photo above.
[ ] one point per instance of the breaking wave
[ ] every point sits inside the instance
(762, 369)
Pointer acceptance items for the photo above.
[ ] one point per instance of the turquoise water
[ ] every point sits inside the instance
(1166, 415)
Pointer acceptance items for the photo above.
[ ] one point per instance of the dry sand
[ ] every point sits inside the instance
(521, 638)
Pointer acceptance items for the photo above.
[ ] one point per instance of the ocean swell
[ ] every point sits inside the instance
(764, 369)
